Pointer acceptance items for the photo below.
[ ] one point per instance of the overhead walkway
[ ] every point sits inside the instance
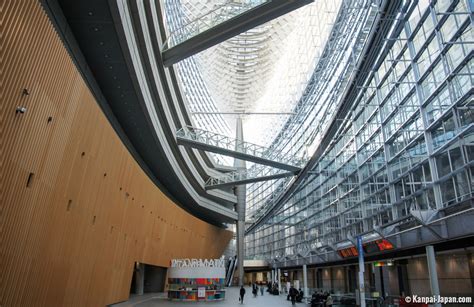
(247, 176)
(224, 145)
(222, 23)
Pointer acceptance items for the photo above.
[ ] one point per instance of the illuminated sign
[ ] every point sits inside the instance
(384, 245)
(369, 248)
(382, 263)
(198, 263)
(348, 252)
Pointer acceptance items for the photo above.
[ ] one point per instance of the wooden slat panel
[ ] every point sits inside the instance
(71, 238)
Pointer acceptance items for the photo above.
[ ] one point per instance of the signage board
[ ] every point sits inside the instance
(202, 292)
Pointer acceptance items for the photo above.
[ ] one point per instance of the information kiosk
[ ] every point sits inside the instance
(196, 279)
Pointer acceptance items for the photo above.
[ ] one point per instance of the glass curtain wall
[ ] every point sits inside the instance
(408, 142)
(301, 134)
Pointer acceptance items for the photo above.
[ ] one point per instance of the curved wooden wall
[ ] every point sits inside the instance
(76, 209)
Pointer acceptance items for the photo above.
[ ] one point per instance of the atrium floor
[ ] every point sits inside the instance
(232, 299)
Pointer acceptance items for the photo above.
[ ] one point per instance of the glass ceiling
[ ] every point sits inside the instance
(258, 75)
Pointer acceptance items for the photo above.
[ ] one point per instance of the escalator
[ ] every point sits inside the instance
(230, 271)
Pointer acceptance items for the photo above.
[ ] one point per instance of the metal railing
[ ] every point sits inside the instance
(232, 144)
(247, 174)
(209, 20)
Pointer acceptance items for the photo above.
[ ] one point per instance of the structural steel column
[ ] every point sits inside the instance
(470, 261)
(240, 192)
(361, 272)
(431, 260)
(279, 280)
(305, 280)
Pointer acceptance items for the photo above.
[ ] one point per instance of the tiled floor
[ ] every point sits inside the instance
(232, 299)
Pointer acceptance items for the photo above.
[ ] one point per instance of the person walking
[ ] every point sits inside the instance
(293, 293)
(261, 289)
(242, 293)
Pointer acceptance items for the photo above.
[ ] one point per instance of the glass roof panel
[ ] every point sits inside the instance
(258, 75)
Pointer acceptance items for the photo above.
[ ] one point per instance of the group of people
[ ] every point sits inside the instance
(318, 299)
(273, 288)
(295, 295)
(321, 299)
(255, 290)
